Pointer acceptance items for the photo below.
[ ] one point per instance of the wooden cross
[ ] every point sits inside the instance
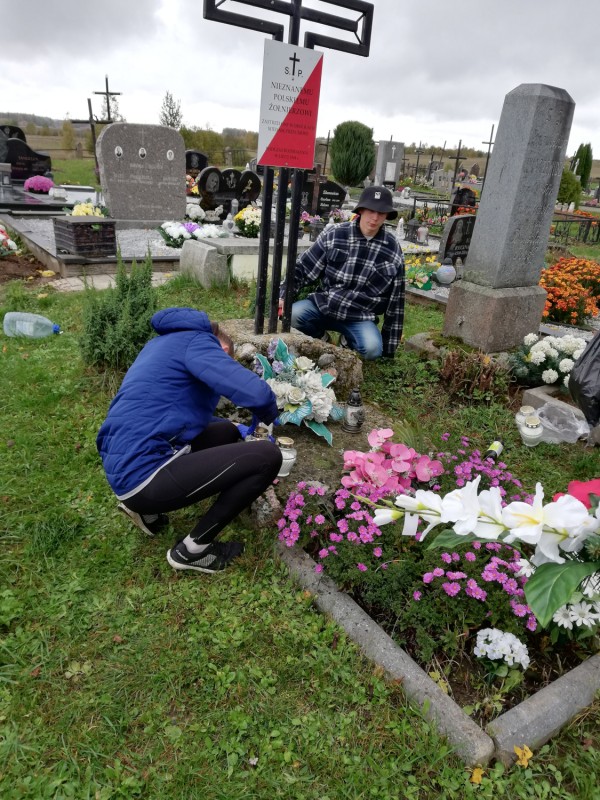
(317, 179)
(108, 95)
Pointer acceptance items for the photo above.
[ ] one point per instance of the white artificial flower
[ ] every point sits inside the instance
(591, 586)
(562, 617)
(425, 504)
(549, 376)
(566, 365)
(296, 395)
(567, 525)
(583, 614)
(537, 357)
(280, 390)
(383, 516)
(525, 521)
(489, 523)
(322, 403)
(462, 507)
(310, 381)
(304, 364)
(530, 339)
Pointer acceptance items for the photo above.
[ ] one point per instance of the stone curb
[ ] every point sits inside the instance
(542, 715)
(470, 743)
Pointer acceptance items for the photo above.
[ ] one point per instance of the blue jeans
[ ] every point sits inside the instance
(363, 335)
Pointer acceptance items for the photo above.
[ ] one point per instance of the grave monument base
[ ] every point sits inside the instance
(493, 319)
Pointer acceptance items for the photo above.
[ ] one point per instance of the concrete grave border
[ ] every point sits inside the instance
(532, 722)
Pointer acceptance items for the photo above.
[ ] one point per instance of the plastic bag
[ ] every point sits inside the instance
(561, 424)
(584, 381)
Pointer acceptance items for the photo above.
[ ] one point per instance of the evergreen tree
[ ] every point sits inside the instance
(68, 135)
(569, 190)
(170, 112)
(352, 152)
(584, 164)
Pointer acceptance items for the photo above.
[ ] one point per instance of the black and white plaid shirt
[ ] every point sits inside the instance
(359, 278)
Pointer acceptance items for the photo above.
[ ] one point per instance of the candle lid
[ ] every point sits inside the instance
(285, 441)
(532, 421)
(527, 411)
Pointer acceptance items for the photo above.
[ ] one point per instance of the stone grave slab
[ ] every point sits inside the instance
(456, 237)
(142, 171)
(331, 195)
(221, 188)
(13, 132)
(195, 162)
(388, 165)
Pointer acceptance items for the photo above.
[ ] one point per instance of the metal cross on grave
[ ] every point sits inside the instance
(317, 178)
(107, 96)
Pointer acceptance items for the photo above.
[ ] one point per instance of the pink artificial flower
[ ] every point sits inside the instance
(378, 436)
(582, 491)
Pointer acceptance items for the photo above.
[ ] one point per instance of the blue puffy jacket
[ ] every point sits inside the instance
(169, 396)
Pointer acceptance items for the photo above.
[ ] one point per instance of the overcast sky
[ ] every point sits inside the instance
(438, 71)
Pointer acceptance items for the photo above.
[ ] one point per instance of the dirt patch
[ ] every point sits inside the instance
(26, 268)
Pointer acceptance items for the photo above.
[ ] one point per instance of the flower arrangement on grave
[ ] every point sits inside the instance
(248, 221)
(338, 215)
(302, 390)
(7, 245)
(38, 184)
(573, 290)
(176, 233)
(195, 212)
(546, 360)
(507, 576)
(191, 187)
(88, 209)
(306, 220)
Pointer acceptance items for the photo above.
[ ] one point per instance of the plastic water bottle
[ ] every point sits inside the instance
(34, 326)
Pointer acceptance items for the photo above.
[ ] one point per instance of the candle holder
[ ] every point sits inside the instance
(354, 413)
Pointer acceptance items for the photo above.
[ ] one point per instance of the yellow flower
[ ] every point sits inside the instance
(523, 755)
(476, 775)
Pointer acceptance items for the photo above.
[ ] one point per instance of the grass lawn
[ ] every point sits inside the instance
(123, 679)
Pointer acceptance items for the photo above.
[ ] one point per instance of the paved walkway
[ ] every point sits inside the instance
(102, 282)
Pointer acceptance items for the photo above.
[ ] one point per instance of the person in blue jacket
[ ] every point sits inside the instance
(162, 448)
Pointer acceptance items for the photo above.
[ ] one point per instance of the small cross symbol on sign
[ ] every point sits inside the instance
(294, 61)
(393, 151)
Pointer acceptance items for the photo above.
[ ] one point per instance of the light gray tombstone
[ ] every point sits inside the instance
(389, 162)
(142, 171)
(499, 300)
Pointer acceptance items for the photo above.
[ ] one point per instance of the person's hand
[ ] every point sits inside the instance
(276, 421)
(243, 429)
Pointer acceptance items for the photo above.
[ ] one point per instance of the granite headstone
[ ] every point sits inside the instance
(13, 132)
(221, 188)
(24, 161)
(388, 165)
(141, 171)
(499, 300)
(456, 237)
(331, 195)
(195, 162)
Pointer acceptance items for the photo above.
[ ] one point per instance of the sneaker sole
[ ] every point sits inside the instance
(136, 519)
(178, 565)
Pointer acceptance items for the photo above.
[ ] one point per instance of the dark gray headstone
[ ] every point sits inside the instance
(475, 169)
(3, 147)
(221, 188)
(331, 195)
(142, 170)
(456, 237)
(389, 162)
(464, 197)
(13, 132)
(24, 161)
(195, 162)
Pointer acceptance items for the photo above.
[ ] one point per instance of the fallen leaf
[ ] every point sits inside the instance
(47, 273)
(35, 672)
(10, 443)
(523, 755)
(117, 639)
(42, 295)
(334, 641)
(476, 775)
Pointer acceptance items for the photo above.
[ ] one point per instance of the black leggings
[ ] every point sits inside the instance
(219, 463)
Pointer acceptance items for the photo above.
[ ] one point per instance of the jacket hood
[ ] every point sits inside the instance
(170, 320)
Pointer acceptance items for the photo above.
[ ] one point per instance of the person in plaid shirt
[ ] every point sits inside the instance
(359, 268)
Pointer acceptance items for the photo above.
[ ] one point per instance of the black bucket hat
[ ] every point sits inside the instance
(377, 198)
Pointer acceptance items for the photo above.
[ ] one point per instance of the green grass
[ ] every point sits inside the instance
(75, 172)
(122, 679)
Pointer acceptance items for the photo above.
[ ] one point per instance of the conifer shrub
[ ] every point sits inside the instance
(116, 321)
(352, 152)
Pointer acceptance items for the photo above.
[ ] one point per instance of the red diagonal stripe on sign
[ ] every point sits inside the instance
(291, 138)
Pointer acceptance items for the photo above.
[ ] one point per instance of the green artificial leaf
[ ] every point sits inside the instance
(286, 417)
(282, 353)
(594, 500)
(552, 585)
(295, 414)
(450, 539)
(320, 430)
(267, 371)
(326, 379)
(337, 412)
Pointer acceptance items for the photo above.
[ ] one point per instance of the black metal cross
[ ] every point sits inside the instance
(456, 162)
(108, 95)
(487, 160)
(361, 29)
(317, 178)
(91, 121)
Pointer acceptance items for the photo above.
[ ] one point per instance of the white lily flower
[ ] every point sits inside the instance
(566, 525)
(525, 521)
(489, 524)
(383, 516)
(462, 508)
(425, 504)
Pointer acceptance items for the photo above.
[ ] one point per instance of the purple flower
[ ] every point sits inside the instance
(319, 519)
(377, 552)
(455, 557)
(446, 558)
(445, 437)
(470, 556)
(190, 226)
(455, 576)
(451, 589)
(318, 567)
(438, 572)
(362, 567)
(428, 577)
(531, 623)
(417, 596)
(323, 553)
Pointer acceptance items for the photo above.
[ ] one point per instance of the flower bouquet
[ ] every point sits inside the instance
(306, 220)
(7, 246)
(302, 390)
(176, 233)
(248, 221)
(191, 187)
(88, 209)
(547, 360)
(195, 212)
(338, 215)
(38, 184)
